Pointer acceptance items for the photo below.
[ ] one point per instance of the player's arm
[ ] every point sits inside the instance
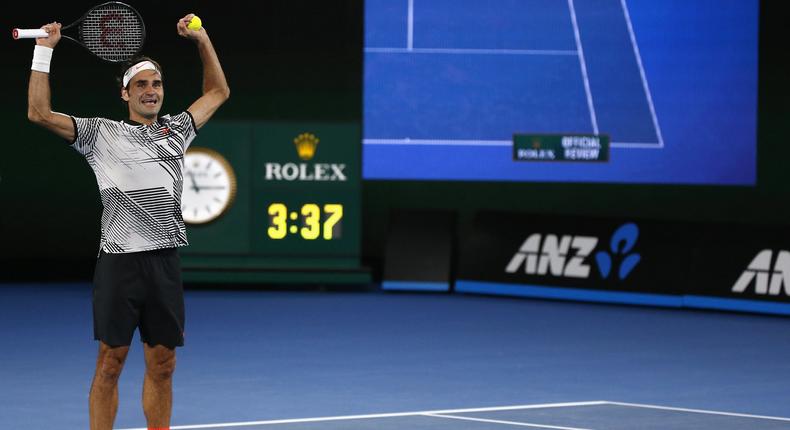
(215, 87)
(39, 108)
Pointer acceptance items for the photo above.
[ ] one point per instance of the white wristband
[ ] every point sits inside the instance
(42, 56)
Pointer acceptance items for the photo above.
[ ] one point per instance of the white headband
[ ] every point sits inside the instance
(137, 68)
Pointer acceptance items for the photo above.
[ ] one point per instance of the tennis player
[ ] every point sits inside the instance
(139, 166)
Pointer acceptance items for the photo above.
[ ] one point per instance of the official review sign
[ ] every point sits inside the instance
(561, 147)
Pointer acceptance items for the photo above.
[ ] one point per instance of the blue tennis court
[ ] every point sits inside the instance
(369, 360)
(562, 416)
(505, 67)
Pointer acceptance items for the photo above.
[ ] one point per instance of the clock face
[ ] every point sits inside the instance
(209, 186)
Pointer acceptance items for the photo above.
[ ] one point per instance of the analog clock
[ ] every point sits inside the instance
(209, 186)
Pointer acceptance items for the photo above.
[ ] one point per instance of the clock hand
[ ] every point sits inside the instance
(194, 182)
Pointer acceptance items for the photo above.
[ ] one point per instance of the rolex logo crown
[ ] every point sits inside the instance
(306, 144)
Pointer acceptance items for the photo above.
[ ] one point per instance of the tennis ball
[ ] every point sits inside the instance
(195, 23)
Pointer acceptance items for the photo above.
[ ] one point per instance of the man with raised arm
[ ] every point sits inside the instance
(139, 165)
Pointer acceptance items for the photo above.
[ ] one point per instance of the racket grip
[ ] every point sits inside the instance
(20, 33)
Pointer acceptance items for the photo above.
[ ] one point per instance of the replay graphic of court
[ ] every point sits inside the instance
(449, 80)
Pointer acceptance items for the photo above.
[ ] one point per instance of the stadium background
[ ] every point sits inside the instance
(302, 60)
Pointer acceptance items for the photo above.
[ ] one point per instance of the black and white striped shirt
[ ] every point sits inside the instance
(140, 171)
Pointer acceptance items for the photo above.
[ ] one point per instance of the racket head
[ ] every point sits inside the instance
(112, 31)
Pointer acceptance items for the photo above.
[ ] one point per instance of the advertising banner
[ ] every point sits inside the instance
(619, 260)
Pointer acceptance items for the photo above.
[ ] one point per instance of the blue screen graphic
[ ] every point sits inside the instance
(673, 83)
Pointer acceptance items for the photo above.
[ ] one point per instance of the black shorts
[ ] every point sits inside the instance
(139, 289)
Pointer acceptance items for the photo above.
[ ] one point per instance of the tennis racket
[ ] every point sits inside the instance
(112, 31)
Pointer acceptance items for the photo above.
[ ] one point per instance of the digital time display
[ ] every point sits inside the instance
(310, 222)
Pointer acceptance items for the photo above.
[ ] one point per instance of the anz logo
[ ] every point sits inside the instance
(768, 279)
(567, 256)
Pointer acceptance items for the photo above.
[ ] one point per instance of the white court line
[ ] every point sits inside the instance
(638, 145)
(699, 411)
(461, 142)
(410, 29)
(512, 423)
(464, 51)
(437, 142)
(583, 65)
(642, 73)
(389, 415)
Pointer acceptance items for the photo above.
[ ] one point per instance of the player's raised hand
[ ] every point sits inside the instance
(53, 29)
(194, 31)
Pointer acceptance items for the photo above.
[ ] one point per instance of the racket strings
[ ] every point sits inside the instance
(113, 32)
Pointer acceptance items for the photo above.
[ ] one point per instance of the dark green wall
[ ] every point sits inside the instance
(301, 60)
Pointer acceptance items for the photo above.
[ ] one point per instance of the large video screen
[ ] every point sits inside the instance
(625, 91)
